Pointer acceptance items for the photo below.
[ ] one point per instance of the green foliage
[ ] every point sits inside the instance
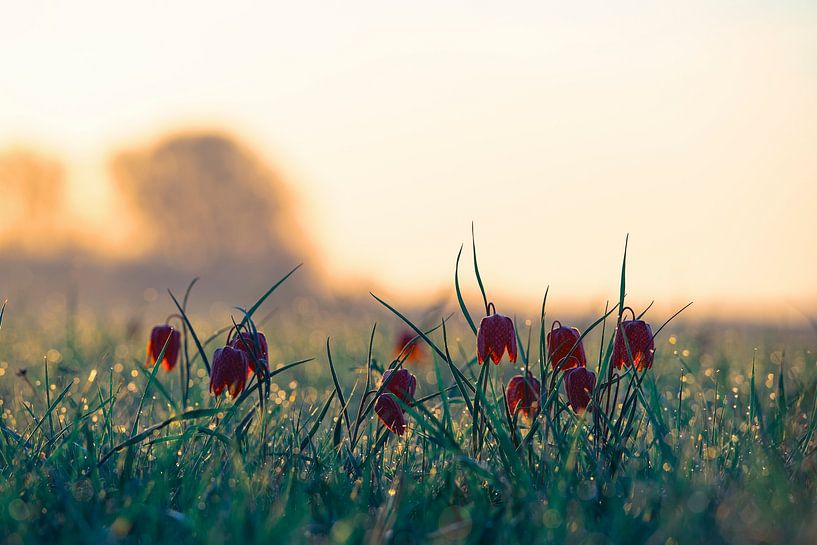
(701, 455)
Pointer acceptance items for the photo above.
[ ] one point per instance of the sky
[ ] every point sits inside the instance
(557, 128)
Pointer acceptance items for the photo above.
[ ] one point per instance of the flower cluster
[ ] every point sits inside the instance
(255, 347)
(566, 353)
(400, 385)
(633, 345)
(247, 353)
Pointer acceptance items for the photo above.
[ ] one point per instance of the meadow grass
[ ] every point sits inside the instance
(708, 446)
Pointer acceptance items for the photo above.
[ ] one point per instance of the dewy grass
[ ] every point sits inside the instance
(690, 450)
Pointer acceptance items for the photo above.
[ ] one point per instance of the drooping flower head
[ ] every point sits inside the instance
(522, 394)
(160, 335)
(254, 347)
(401, 383)
(229, 371)
(579, 384)
(389, 412)
(413, 353)
(496, 334)
(637, 336)
(563, 342)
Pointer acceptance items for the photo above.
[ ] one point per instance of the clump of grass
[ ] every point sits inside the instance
(676, 453)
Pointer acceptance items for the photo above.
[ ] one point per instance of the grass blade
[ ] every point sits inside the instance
(147, 432)
(48, 411)
(264, 297)
(160, 387)
(338, 389)
(313, 430)
(427, 340)
(459, 294)
(192, 332)
(476, 269)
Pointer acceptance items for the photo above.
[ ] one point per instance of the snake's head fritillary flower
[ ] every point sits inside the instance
(415, 351)
(496, 335)
(565, 348)
(160, 335)
(579, 384)
(401, 383)
(633, 345)
(522, 394)
(389, 412)
(254, 347)
(229, 371)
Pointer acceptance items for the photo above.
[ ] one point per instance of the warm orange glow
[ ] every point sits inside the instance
(556, 131)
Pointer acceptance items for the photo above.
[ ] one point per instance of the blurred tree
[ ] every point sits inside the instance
(32, 206)
(205, 199)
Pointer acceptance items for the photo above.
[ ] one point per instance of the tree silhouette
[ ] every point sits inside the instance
(205, 199)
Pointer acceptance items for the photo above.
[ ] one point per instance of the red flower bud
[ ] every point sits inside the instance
(229, 371)
(389, 412)
(496, 334)
(402, 384)
(522, 393)
(158, 337)
(252, 348)
(637, 336)
(564, 343)
(415, 351)
(579, 384)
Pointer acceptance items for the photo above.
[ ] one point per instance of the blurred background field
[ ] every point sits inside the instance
(83, 343)
(300, 325)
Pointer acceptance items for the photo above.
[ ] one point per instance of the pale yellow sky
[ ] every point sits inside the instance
(556, 128)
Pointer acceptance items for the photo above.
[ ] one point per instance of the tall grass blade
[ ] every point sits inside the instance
(671, 318)
(476, 269)
(459, 294)
(269, 292)
(48, 411)
(339, 390)
(192, 332)
(428, 341)
(622, 291)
